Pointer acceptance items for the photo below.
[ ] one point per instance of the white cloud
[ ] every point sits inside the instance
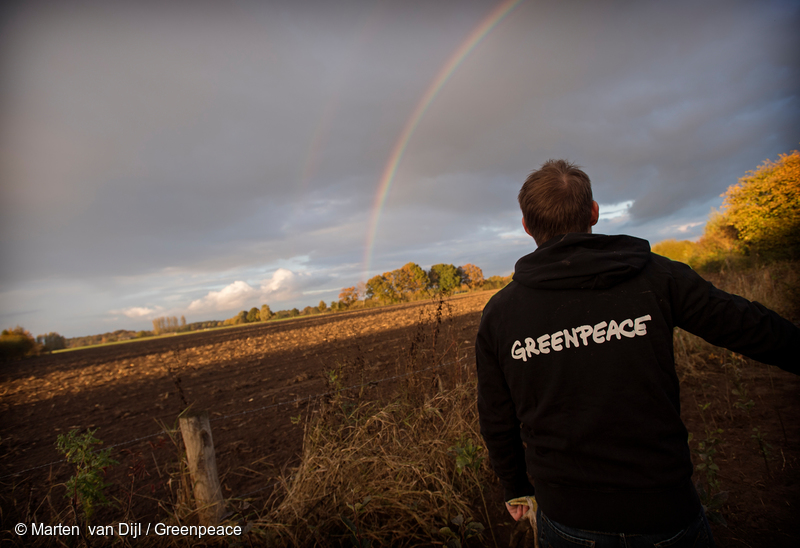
(688, 231)
(231, 296)
(517, 234)
(283, 285)
(688, 226)
(137, 311)
(282, 281)
(612, 211)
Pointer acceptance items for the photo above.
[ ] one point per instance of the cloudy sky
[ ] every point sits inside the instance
(169, 158)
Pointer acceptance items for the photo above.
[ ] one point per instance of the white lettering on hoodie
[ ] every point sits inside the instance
(572, 338)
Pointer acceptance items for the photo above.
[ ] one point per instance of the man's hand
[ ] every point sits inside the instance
(519, 506)
(517, 511)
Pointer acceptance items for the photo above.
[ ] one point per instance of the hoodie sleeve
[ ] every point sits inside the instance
(499, 425)
(733, 322)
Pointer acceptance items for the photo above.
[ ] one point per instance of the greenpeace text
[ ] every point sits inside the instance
(572, 338)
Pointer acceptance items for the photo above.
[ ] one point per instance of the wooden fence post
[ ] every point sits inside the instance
(196, 432)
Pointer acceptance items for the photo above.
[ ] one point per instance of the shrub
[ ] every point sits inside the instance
(675, 250)
(719, 245)
(17, 343)
(497, 282)
(86, 487)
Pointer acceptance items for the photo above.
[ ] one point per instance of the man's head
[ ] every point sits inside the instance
(557, 199)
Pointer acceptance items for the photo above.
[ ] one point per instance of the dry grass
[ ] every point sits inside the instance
(776, 286)
(384, 473)
(398, 457)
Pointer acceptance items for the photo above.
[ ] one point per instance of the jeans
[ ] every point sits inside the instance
(554, 535)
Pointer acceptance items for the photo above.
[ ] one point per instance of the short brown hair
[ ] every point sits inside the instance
(556, 199)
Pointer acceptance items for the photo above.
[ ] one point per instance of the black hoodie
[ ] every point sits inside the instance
(575, 361)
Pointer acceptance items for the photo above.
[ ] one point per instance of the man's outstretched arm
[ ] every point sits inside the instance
(733, 322)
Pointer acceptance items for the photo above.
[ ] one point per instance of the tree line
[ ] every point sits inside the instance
(19, 343)
(410, 282)
(407, 283)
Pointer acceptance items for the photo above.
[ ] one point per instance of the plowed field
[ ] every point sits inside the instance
(240, 375)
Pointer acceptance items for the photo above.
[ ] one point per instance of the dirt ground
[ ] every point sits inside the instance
(248, 378)
(753, 411)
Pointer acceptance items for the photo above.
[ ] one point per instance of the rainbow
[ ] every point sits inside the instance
(478, 33)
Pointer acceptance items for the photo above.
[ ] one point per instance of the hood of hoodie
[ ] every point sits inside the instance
(583, 261)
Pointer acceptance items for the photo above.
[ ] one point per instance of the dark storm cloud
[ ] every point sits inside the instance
(663, 104)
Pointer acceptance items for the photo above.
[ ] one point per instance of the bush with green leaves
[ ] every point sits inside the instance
(86, 487)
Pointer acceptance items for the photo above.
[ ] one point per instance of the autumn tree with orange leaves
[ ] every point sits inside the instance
(471, 275)
(764, 208)
(348, 297)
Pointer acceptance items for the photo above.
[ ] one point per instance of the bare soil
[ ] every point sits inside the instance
(250, 379)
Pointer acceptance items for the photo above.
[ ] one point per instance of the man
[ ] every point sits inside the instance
(576, 377)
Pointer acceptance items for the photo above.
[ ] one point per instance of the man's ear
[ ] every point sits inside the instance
(528, 232)
(595, 213)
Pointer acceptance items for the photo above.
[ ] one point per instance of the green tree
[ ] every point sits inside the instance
(51, 341)
(411, 280)
(380, 288)
(241, 317)
(265, 313)
(322, 307)
(764, 207)
(254, 315)
(444, 277)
